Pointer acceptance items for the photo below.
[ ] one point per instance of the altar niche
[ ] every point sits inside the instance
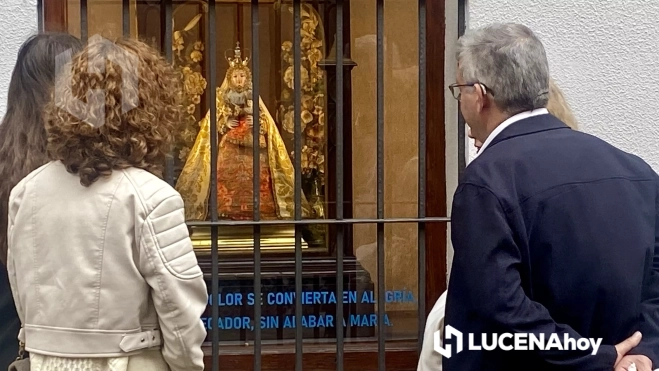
(234, 122)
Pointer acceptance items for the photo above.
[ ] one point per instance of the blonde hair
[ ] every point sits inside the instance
(559, 107)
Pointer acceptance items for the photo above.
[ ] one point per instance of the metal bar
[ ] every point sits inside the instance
(257, 181)
(339, 185)
(437, 219)
(125, 19)
(83, 21)
(167, 48)
(462, 152)
(40, 15)
(167, 29)
(380, 182)
(421, 233)
(298, 181)
(462, 17)
(211, 70)
(276, 39)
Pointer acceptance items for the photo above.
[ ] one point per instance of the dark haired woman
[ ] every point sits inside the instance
(100, 261)
(23, 149)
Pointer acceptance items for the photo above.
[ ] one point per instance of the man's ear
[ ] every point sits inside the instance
(483, 88)
(481, 96)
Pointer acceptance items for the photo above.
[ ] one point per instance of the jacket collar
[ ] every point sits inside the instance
(509, 121)
(527, 126)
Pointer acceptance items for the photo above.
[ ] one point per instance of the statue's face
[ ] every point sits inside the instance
(239, 78)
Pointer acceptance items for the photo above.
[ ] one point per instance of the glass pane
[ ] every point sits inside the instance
(278, 323)
(104, 18)
(401, 277)
(401, 74)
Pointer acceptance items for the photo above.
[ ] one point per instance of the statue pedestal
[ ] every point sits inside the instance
(240, 239)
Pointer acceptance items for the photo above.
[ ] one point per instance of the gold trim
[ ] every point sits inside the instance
(233, 239)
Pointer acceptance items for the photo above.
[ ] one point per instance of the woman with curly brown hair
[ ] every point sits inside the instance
(100, 261)
(23, 149)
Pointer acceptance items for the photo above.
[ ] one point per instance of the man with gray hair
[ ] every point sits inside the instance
(555, 232)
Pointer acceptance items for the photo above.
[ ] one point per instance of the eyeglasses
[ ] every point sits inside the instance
(455, 89)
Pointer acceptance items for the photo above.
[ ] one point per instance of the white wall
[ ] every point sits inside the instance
(19, 21)
(604, 54)
(450, 119)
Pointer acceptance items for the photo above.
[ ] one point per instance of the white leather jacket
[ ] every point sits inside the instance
(106, 270)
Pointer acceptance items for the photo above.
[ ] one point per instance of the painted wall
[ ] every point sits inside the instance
(19, 20)
(604, 54)
(450, 119)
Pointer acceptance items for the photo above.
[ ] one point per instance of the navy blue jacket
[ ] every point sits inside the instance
(554, 231)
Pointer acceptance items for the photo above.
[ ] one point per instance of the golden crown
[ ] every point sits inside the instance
(236, 59)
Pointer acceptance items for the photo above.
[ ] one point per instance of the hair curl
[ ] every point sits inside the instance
(140, 137)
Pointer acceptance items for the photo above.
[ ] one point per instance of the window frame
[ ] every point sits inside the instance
(399, 355)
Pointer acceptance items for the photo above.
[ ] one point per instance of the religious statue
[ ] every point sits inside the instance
(235, 198)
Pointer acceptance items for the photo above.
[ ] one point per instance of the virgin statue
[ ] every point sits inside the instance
(235, 198)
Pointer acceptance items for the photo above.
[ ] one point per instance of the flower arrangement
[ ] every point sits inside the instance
(313, 94)
(187, 59)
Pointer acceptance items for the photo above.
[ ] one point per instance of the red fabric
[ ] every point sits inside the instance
(235, 176)
(241, 132)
